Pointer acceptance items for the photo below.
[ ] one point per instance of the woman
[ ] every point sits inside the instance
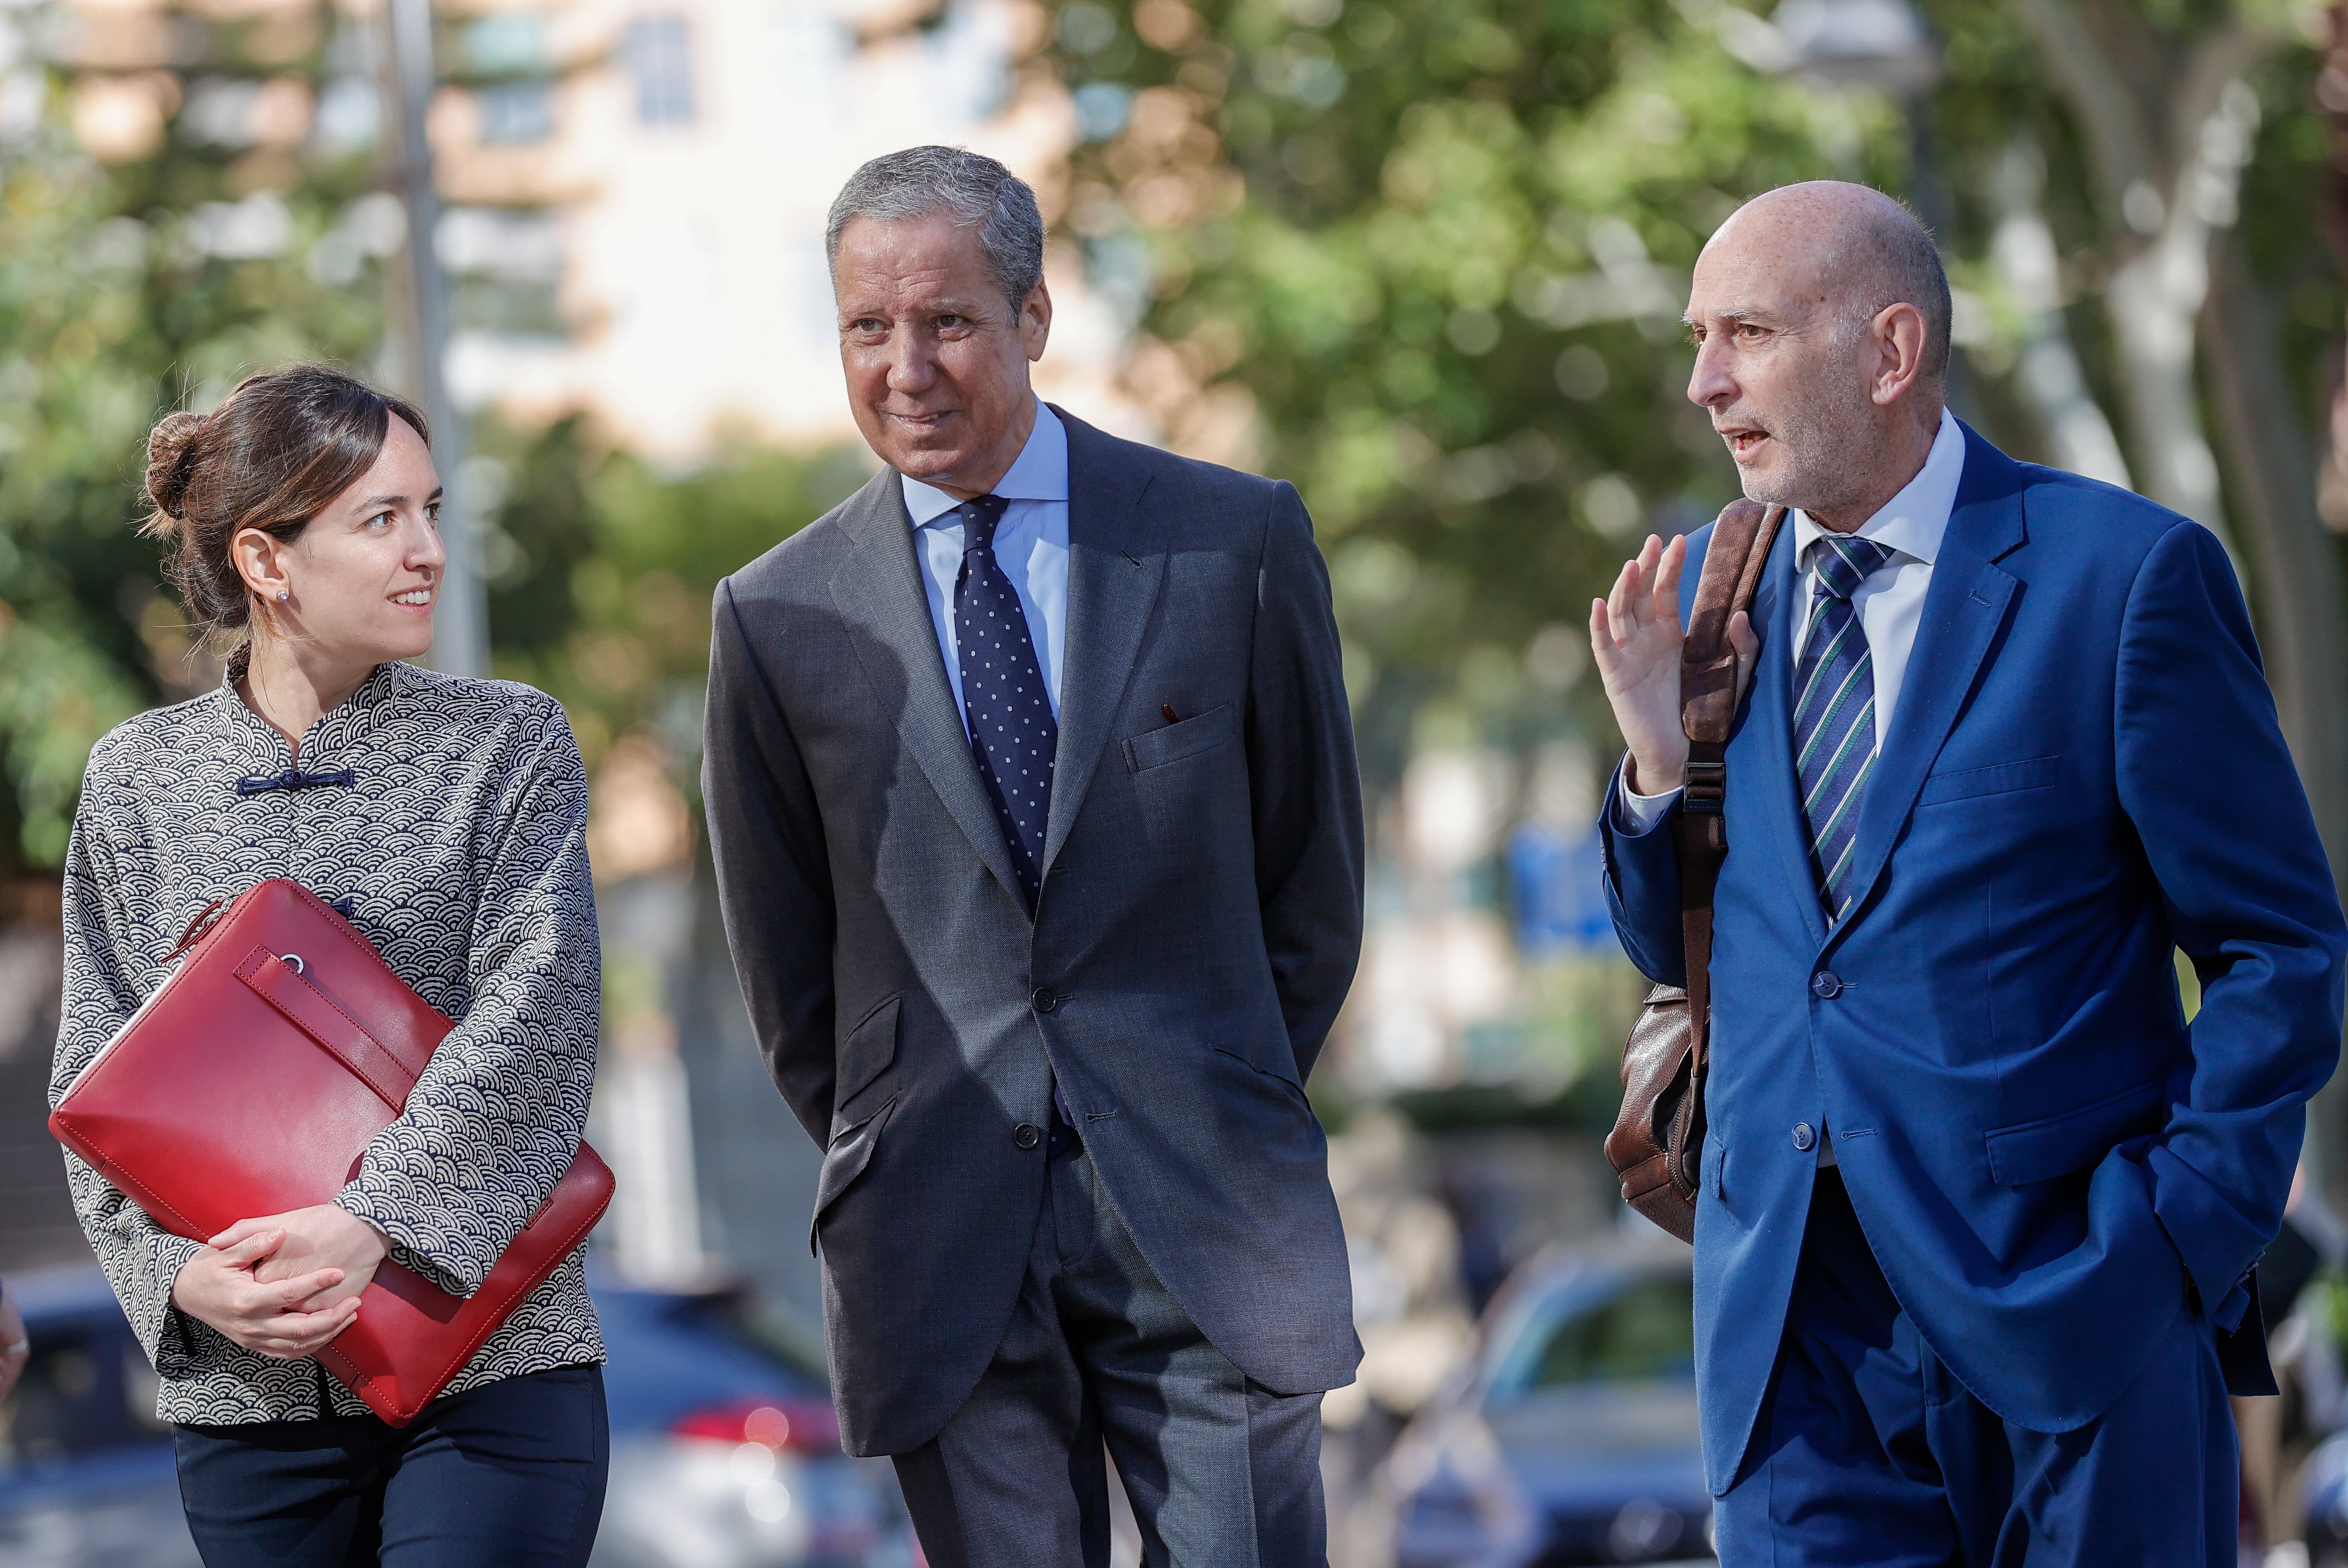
(446, 817)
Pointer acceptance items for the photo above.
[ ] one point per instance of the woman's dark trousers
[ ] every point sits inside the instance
(507, 1475)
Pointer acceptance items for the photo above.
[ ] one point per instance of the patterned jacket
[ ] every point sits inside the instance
(448, 818)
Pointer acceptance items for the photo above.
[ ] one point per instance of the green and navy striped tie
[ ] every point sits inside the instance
(1834, 716)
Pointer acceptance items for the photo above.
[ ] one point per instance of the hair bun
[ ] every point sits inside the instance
(171, 461)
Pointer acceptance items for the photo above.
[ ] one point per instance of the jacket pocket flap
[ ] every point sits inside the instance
(1201, 732)
(2058, 1145)
(1998, 779)
(866, 1053)
(845, 1161)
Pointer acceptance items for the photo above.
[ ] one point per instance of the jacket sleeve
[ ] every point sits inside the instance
(774, 871)
(1643, 886)
(1304, 783)
(496, 1118)
(2248, 897)
(141, 1259)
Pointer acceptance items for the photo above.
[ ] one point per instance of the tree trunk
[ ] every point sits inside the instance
(2295, 583)
(2168, 126)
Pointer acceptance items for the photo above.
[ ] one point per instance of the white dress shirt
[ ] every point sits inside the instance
(1890, 603)
(1031, 546)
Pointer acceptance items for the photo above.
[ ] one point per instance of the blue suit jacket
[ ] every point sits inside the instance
(2083, 771)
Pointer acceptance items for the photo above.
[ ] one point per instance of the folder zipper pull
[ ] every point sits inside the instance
(197, 930)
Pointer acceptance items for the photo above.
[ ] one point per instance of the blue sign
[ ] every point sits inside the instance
(1559, 893)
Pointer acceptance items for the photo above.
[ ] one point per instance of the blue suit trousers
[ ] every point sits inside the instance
(1869, 1453)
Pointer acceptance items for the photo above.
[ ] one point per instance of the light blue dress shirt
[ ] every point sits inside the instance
(1031, 546)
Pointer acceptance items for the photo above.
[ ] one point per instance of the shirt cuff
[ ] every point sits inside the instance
(1640, 812)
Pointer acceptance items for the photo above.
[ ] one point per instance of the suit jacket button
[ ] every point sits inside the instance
(1826, 985)
(1804, 1138)
(1027, 1135)
(1044, 999)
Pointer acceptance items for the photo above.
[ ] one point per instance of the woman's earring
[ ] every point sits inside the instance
(283, 594)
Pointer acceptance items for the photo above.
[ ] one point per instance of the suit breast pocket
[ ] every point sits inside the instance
(1998, 779)
(1174, 742)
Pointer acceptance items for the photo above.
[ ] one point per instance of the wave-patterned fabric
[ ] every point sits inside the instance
(457, 842)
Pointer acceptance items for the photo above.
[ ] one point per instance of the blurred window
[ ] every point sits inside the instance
(517, 113)
(508, 45)
(660, 58)
(507, 307)
(517, 242)
(1646, 1331)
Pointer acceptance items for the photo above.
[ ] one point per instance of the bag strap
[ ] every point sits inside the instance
(285, 984)
(1731, 573)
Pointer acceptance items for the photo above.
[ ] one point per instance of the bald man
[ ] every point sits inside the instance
(1980, 1209)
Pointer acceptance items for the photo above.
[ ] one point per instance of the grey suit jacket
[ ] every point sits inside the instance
(1199, 925)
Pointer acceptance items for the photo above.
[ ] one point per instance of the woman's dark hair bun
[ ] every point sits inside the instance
(170, 458)
(276, 451)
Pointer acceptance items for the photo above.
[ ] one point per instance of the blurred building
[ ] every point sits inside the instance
(638, 189)
(634, 189)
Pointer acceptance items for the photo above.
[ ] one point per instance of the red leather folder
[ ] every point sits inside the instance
(252, 1082)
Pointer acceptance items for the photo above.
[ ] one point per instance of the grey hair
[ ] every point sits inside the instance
(971, 187)
(1890, 258)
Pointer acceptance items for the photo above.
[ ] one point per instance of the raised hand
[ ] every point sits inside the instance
(1636, 635)
(217, 1287)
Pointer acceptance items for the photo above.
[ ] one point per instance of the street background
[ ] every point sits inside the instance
(1425, 258)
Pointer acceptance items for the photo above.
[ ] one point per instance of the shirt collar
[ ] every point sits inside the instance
(1040, 472)
(1913, 521)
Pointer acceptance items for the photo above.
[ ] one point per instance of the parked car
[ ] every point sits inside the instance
(724, 1450)
(2324, 1490)
(1571, 1437)
(85, 1473)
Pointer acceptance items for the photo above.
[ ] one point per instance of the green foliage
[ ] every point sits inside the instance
(111, 312)
(1449, 274)
(603, 569)
(1442, 246)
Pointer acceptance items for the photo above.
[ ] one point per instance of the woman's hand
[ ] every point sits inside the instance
(218, 1286)
(325, 1237)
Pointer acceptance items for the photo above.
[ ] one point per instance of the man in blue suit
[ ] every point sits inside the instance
(1980, 1208)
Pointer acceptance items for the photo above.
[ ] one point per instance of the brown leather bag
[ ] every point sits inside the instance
(1658, 1138)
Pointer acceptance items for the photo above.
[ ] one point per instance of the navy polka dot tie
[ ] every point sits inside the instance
(1013, 733)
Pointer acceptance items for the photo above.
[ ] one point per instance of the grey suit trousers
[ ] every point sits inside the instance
(1222, 1472)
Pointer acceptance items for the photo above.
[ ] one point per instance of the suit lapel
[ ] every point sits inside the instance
(1115, 566)
(1964, 608)
(1769, 716)
(877, 591)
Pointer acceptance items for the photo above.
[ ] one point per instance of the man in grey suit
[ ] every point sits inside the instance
(1032, 791)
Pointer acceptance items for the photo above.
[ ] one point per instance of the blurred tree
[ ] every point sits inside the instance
(2166, 105)
(218, 236)
(1438, 250)
(601, 567)
(1432, 252)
